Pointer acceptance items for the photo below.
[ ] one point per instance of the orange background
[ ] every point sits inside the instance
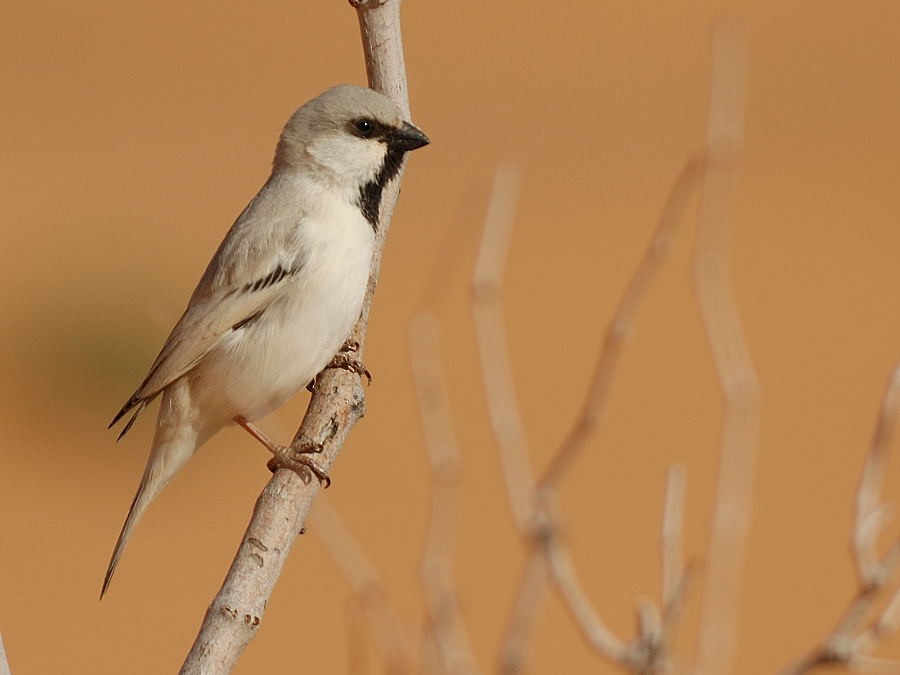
(132, 135)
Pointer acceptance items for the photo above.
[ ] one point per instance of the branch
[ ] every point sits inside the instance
(367, 588)
(622, 324)
(731, 517)
(851, 641)
(445, 630)
(490, 331)
(336, 405)
(4, 664)
(531, 501)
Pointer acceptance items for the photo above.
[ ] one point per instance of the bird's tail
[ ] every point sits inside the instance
(170, 452)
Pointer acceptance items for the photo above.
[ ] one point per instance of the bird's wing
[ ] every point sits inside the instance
(246, 275)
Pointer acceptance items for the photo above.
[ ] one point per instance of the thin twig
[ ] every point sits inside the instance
(670, 544)
(4, 663)
(490, 330)
(585, 617)
(871, 664)
(856, 633)
(337, 404)
(647, 653)
(530, 504)
(643, 654)
(503, 411)
(445, 628)
(889, 621)
(869, 516)
(622, 323)
(368, 590)
(522, 614)
(731, 516)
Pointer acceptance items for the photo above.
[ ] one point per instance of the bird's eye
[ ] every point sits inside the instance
(364, 128)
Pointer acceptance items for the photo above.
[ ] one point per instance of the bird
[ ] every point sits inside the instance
(283, 290)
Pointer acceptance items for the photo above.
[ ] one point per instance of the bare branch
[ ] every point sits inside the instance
(336, 405)
(506, 421)
(870, 512)
(622, 323)
(496, 371)
(670, 544)
(366, 585)
(4, 664)
(870, 664)
(856, 633)
(445, 630)
(523, 614)
(575, 599)
(731, 517)
(647, 653)
(889, 621)
(530, 502)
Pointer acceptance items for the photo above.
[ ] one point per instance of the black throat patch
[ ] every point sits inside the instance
(370, 193)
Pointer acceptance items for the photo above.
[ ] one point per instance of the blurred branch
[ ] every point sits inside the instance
(871, 513)
(860, 629)
(522, 614)
(675, 573)
(445, 630)
(530, 499)
(731, 516)
(368, 591)
(580, 608)
(4, 664)
(490, 331)
(337, 404)
(649, 651)
(645, 653)
(621, 325)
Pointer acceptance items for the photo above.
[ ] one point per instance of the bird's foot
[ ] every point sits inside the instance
(297, 460)
(346, 360)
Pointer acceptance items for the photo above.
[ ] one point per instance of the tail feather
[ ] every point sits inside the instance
(134, 401)
(172, 447)
(138, 506)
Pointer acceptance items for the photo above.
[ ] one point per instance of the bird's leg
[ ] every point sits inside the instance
(286, 456)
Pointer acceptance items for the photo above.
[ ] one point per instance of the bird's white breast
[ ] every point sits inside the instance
(259, 368)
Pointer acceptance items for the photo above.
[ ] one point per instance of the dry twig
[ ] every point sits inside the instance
(4, 664)
(675, 573)
(445, 629)
(731, 516)
(621, 325)
(496, 371)
(860, 628)
(531, 500)
(368, 590)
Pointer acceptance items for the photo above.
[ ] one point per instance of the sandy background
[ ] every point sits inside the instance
(133, 133)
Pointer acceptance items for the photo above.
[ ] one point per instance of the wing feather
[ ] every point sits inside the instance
(245, 276)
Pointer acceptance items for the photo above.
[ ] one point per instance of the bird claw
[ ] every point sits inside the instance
(345, 360)
(288, 457)
(299, 461)
(348, 362)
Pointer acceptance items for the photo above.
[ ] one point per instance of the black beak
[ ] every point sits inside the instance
(408, 137)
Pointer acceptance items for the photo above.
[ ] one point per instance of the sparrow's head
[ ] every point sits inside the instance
(351, 137)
